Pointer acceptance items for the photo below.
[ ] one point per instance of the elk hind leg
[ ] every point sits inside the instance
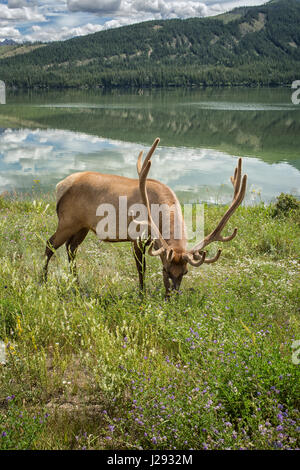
(72, 245)
(54, 242)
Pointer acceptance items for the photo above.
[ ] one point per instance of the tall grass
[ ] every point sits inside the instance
(103, 368)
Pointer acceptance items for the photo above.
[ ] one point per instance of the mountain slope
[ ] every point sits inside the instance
(250, 46)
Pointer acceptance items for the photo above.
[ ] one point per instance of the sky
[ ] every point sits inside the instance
(52, 20)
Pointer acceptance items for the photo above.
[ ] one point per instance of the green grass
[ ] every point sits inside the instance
(211, 368)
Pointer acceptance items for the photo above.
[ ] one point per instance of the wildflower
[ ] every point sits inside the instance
(19, 326)
(280, 416)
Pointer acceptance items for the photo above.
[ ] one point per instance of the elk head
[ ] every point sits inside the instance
(174, 256)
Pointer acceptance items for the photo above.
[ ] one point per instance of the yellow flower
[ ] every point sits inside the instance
(19, 326)
(10, 347)
(33, 342)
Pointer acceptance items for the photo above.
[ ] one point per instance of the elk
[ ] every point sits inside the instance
(80, 194)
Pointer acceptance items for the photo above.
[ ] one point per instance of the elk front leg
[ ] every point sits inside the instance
(166, 284)
(139, 249)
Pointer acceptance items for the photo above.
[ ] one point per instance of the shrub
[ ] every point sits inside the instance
(286, 206)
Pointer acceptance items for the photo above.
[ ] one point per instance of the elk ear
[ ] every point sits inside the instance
(170, 255)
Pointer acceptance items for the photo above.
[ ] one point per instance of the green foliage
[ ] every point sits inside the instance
(18, 428)
(257, 46)
(286, 206)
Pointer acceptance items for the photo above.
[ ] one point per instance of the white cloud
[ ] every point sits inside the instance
(170, 8)
(99, 6)
(158, 9)
(9, 32)
(16, 3)
(20, 14)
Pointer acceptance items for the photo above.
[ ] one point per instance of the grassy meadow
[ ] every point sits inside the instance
(95, 366)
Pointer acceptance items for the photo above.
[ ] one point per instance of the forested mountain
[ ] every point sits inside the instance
(248, 46)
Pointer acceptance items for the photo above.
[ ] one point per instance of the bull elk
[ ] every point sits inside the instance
(80, 194)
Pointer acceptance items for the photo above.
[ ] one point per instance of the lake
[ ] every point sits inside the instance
(44, 136)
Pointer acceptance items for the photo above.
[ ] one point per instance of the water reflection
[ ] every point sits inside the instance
(49, 155)
(260, 123)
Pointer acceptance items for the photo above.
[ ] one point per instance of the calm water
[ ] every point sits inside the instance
(46, 136)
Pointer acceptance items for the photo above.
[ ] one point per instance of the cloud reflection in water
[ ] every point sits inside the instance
(194, 174)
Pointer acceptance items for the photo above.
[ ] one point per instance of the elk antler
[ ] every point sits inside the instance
(143, 171)
(139, 165)
(239, 185)
(139, 162)
(195, 261)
